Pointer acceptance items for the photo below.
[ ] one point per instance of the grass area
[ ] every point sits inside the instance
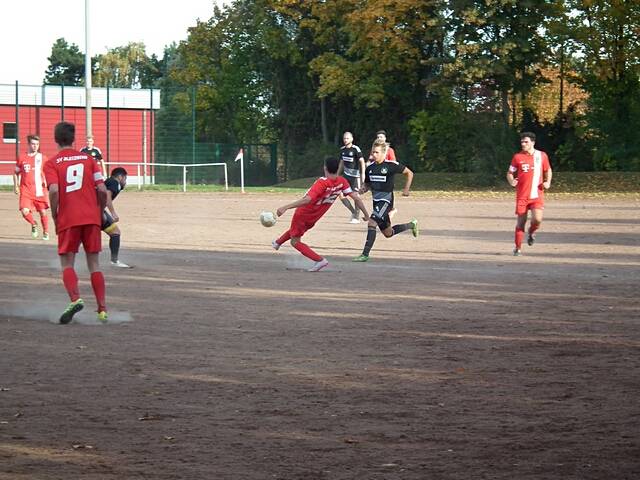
(563, 182)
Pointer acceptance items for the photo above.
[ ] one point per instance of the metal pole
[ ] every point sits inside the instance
(193, 132)
(184, 178)
(108, 125)
(144, 144)
(62, 101)
(87, 67)
(17, 124)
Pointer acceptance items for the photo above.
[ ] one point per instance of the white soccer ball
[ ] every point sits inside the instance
(268, 219)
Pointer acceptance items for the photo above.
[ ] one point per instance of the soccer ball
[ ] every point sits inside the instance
(268, 219)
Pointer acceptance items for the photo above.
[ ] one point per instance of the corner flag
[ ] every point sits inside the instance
(239, 156)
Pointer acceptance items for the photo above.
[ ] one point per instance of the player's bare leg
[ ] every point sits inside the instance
(536, 221)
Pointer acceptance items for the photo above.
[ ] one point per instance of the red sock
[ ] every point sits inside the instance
(519, 237)
(285, 237)
(29, 218)
(533, 227)
(45, 222)
(99, 289)
(304, 249)
(70, 280)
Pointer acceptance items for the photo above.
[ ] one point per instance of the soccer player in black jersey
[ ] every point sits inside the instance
(352, 167)
(95, 153)
(115, 183)
(379, 178)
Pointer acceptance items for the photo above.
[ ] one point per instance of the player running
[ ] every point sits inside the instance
(352, 166)
(379, 178)
(312, 206)
(74, 178)
(29, 183)
(114, 185)
(530, 173)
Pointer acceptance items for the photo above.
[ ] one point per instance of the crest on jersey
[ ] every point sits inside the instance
(384, 170)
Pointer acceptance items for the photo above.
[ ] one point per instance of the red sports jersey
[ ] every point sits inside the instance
(32, 184)
(323, 193)
(529, 169)
(76, 175)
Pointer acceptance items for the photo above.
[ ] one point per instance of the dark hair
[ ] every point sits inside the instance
(530, 135)
(32, 137)
(65, 134)
(381, 132)
(332, 164)
(118, 171)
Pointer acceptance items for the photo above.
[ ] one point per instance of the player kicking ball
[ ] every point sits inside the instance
(312, 206)
(379, 178)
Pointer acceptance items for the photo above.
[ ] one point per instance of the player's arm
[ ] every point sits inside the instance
(547, 174)
(101, 191)
(511, 180)
(407, 186)
(54, 198)
(298, 203)
(362, 168)
(358, 201)
(110, 206)
(16, 182)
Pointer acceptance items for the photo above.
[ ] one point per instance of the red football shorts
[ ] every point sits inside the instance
(523, 205)
(69, 240)
(301, 223)
(33, 204)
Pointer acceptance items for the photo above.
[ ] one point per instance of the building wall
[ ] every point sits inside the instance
(128, 129)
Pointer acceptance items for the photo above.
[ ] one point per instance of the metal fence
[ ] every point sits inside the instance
(129, 125)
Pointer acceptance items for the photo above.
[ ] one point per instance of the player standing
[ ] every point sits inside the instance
(29, 183)
(96, 154)
(379, 178)
(352, 165)
(530, 173)
(114, 185)
(312, 206)
(73, 179)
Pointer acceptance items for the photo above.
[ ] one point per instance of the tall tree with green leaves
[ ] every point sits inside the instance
(606, 35)
(66, 64)
(126, 67)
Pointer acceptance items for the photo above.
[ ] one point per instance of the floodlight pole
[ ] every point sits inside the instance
(87, 68)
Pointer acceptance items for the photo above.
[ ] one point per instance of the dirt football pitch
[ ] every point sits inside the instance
(443, 357)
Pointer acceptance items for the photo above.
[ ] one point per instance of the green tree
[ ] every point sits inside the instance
(606, 34)
(66, 64)
(126, 67)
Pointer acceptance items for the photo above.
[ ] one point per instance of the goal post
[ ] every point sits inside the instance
(176, 173)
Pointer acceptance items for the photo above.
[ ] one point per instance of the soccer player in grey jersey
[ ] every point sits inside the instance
(352, 166)
(379, 178)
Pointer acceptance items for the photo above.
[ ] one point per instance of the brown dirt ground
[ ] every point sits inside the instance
(442, 358)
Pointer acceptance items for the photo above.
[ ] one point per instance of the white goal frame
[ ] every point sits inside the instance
(143, 178)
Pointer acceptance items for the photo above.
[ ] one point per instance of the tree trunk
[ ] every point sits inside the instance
(323, 119)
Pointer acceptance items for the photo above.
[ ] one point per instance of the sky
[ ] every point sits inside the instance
(30, 27)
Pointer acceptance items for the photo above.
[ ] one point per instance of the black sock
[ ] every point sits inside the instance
(401, 228)
(114, 246)
(371, 238)
(347, 203)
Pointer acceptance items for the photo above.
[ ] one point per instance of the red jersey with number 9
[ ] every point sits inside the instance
(76, 175)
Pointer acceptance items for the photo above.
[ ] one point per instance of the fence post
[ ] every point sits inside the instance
(108, 124)
(17, 123)
(184, 178)
(138, 168)
(62, 101)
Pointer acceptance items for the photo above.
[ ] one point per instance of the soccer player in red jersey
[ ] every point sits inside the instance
(312, 206)
(530, 173)
(74, 178)
(29, 183)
